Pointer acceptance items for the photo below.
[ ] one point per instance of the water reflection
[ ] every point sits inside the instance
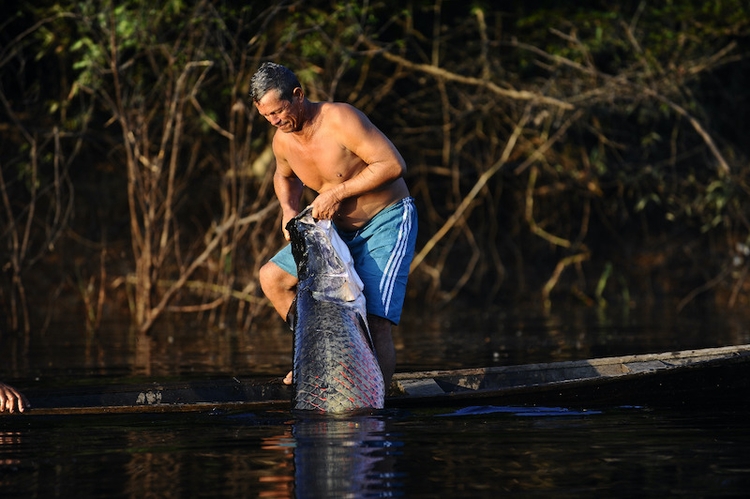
(279, 483)
(481, 451)
(335, 457)
(9, 441)
(521, 411)
(475, 336)
(453, 337)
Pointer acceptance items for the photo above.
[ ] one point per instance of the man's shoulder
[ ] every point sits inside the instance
(279, 145)
(340, 110)
(337, 106)
(344, 117)
(278, 139)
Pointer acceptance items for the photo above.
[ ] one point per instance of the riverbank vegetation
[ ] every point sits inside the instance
(555, 149)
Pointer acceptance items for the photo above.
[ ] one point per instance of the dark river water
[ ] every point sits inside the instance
(472, 451)
(479, 452)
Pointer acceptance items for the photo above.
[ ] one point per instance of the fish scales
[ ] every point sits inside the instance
(332, 369)
(335, 369)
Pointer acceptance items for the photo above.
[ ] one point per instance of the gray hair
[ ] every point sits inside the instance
(272, 76)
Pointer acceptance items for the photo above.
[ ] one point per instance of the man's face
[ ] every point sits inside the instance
(280, 113)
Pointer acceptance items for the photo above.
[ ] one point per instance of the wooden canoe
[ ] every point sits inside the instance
(701, 378)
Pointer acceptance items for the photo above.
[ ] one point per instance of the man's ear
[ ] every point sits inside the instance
(298, 93)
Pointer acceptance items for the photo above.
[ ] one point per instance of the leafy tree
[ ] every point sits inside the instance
(542, 137)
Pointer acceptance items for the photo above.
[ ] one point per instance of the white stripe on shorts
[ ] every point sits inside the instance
(397, 257)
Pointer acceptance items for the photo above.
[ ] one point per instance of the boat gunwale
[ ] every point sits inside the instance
(272, 399)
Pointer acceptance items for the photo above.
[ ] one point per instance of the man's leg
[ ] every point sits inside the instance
(279, 286)
(382, 252)
(380, 329)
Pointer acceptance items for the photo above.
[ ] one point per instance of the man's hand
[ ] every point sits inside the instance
(11, 399)
(286, 216)
(287, 236)
(326, 205)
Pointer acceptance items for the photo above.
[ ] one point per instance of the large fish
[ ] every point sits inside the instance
(335, 369)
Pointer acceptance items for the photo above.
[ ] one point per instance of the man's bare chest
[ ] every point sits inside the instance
(321, 163)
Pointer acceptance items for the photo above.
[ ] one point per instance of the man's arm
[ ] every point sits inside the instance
(288, 190)
(384, 163)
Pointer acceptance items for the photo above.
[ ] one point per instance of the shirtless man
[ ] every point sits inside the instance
(335, 150)
(11, 399)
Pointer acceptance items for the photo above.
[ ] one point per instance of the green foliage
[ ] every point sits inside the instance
(648, 96)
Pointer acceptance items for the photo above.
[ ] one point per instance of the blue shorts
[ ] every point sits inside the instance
(382, 251)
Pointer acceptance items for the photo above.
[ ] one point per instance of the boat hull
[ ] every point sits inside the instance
(702, 379)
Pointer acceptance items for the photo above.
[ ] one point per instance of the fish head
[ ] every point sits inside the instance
(312, 248)
(324, 264)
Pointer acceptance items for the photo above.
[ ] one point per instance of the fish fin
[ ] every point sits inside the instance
(291, 316)
(368, 335)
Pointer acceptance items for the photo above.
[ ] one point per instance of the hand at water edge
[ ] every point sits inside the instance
(11, 399)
